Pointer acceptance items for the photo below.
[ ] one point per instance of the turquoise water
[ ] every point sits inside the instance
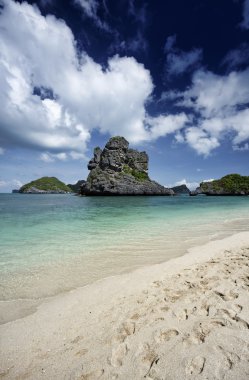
(53, 243)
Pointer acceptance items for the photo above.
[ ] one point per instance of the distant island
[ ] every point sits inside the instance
(45, 185)
(118, 170)
(231, 184)
(181, 189)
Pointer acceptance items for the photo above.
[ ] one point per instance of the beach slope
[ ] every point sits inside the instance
(184, 319)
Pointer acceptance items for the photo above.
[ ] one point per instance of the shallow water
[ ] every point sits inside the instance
(53, 243)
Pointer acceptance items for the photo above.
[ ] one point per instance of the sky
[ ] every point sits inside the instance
(172, 77)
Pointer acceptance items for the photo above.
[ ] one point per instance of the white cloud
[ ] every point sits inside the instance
(220, 104)
(51, 157)
(245, 23)
(47, 157)
(213, 95)
(201, 141)
(241, 148)
(178, 61)
(237, 57)
(163, 125)
(90, 9)
(208, 180)
(170, 43)
(38, 55)
(14, 183)
(17, 183)
(2, 151)
(182, 62)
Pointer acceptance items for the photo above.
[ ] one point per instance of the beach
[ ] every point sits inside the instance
(185, 318)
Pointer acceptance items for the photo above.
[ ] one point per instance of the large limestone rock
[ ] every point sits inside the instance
(118, 170)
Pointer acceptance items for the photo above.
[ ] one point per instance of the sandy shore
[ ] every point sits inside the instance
(185, 319)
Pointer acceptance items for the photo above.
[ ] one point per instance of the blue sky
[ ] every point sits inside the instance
(170, 76)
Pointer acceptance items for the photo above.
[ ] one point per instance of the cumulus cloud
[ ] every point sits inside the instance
(53, 96)
(201, 141)
(245, 23)
(163, 125)
(220, 105)
(178, 61)
(213, 95)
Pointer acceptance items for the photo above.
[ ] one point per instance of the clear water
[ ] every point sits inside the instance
(53, 243)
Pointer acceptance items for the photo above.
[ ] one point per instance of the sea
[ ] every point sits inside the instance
(51, 244)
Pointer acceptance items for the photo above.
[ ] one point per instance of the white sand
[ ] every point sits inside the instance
(185, 319)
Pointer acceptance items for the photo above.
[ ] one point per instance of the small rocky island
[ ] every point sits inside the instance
(45, 185)
(231, 184)
(118, 170)
(181, 189)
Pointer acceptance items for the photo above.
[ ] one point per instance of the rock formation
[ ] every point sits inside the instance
(76, 188)
(118, 170)
(181, 189)
(231, 184)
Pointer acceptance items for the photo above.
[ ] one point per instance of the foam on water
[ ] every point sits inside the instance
(53, 243)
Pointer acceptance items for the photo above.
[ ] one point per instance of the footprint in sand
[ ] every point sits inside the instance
(226, 297)
(194, 366)
(165, 336)
(126, 329)
(229, 360)
(201, 331)
(118, 354)
(146, 359)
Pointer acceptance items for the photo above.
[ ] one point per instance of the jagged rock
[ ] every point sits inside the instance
(77, 186)
(181, 189)
(195, 192)
(118, 170)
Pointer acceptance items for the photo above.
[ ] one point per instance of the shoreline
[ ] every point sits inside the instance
(127, 321)
(14, 309)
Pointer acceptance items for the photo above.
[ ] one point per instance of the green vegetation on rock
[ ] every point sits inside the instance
(48, 184)
(138, 175)
(231, 183)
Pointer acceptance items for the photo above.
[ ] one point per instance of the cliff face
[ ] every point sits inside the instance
(118, 170)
